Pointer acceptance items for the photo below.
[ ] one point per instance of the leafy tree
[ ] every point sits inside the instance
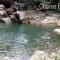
(7, 3)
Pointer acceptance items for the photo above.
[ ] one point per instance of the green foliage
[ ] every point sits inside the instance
(29, 7)
(56, 58)
(35, 3)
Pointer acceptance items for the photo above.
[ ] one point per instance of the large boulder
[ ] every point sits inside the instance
(40, 55)
(9, 11)
(21, 14)
(45, 55)
(7, 20)
(2, 11)
(57, 31)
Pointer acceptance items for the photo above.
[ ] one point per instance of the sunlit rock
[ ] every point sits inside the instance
(2, 11)
(49, 20)
(21, 14)
(58, 23)
(5, 58)
(57, 31)
(2, 6)
(53, 54)
(7, 20)
(40, 55)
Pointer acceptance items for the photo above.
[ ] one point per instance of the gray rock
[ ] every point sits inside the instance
(7, 20)
(2, 11)
(21, 14)
(40, 55)
(49, 20)
(2, 6)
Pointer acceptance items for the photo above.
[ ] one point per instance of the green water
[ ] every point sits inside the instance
(20, 41)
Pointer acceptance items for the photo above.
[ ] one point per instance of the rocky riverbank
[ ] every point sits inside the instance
(38, 18)
(42, 18)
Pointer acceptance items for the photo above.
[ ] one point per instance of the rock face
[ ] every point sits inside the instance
(2, 6)
(2, 11)
(3, 15)
(38, 18)
(9, 11)
(21, 14)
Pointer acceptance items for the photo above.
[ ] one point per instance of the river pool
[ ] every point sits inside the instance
(18, 42)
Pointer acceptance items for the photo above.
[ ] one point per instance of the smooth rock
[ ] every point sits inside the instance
(5, 58)
(2, 6)
(9, 11)
(40, 55)
(21, 14)
(7, 20)
(57, 31)
(49, 20)
(58, 23)
(2, 11)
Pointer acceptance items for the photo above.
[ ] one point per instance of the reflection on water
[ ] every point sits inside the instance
(18, 42)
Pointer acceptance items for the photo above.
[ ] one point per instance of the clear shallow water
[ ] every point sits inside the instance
(18, 42)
